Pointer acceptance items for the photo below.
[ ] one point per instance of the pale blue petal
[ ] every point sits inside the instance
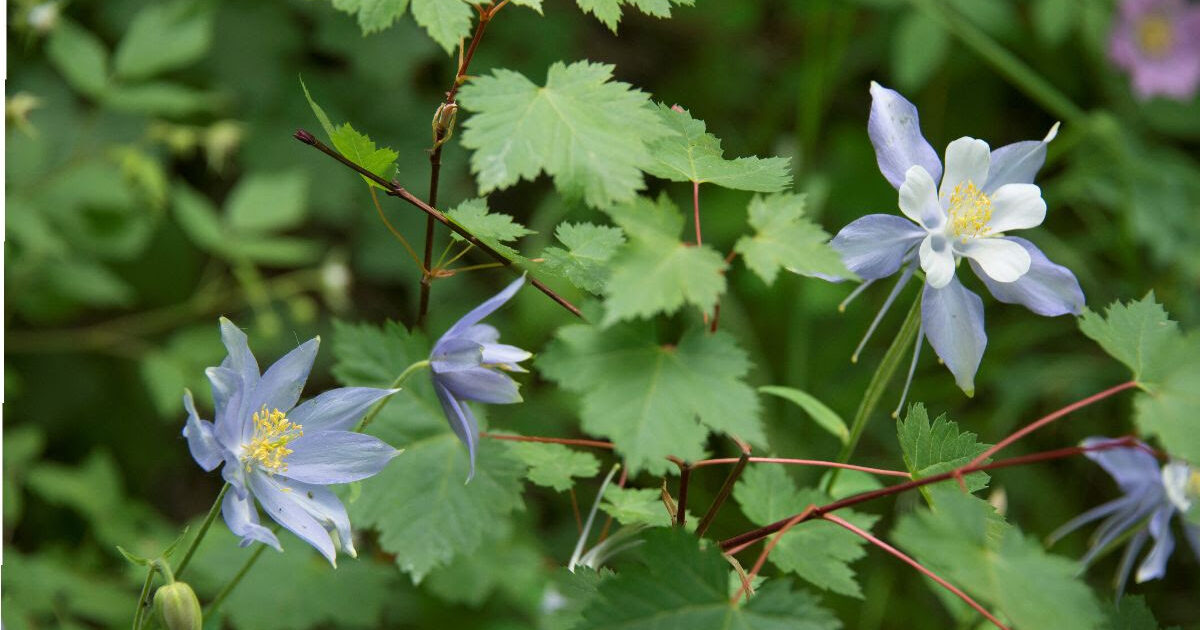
(234, 473)
(481, 384)
(326, 457)
(240, 359)
(895, 130)
(229, 394)
(455, 353)
(461, 420)
(874, 246)
(953, 320)
(481, 334)
(1093, 514)
(1141, 507)
(505, 355)
(337, 409)
(1046, 289)
(201, 436)
(1154, 566)
(1131, 551)
(242, 519)
(1018, 163)
(280, 504)
(324, 506)
(483, 310)
(1134, 470)
(282, 383)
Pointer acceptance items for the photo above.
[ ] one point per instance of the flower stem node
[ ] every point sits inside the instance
(177, 607)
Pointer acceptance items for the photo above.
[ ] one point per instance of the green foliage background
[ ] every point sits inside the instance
(153, 184)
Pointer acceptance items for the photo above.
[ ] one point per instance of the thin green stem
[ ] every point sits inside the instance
(1007, 64)
(395, 384)
(883, 375)
(237, 578)
(208, 521)
(138, 614)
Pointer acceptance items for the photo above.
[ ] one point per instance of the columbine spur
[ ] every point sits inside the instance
(1158, 42)
(1153, 496)
(982, 195)
(467, 363)
(280, 453)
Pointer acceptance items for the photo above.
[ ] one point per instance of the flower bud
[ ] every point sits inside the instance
(178, 607)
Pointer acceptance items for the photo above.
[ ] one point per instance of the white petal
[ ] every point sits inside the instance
(1017, 207)
(967, 159)
(937, 260)
(1001, 259)
(919, 200)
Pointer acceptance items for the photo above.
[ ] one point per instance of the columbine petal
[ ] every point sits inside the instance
(455, 353)
(1046, 289)
(1017, 207)
(1000, 258)
(1018, 163)
(229, 396)
(1154, 566)
(325, 507)
(967, 160)
(1175, 478)
(480, 384)
(485, 309)
(1133, 469)
(874, 246)
(937, 260)
(895, 131)
(481, 334)
(504, 355)
(242, 519)
(919, 199)
(462, 422)
(240, 359)
(280, 505)
(281, 384)
(201, 436)
(337, 409)
(953, 321)
(326, 457)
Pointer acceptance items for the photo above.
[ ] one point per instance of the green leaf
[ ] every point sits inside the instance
(1168, 410)
(919, 48)
(931, 449)
(653, 399)
(637, 506)
(88, 282)
(1139, 334)
(447, 21)
(693, 155)
(487, 226)
(1053, 20)
(268, 202)
(198, 218)
(658, 273)
(589, 249)
(609, 11)
(80, 56)
(554, 465)
(586, 131)
(22, 447)
(965, 542)
(373, 15)
(825, 417)
(41, 591)
(164, 37)
(680, 586)
(1130, 613)
(510, 564)
(357, 147)
(818, 551)
(161, 98)
(785, 238)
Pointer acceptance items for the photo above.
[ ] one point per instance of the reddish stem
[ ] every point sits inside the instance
(802, 462)
(547, 440)
(914, 564)
(762, 557)
(575, 509)
(685, 475)
(1037, 424)
(696, 210)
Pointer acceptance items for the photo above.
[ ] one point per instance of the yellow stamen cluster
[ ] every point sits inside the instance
(1155, 36)
(970, 211)
(272, 432)
(1193, 486)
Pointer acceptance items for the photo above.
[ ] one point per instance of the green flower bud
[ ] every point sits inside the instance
(178, 607)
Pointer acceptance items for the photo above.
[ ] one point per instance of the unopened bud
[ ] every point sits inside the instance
(304, 136)
(443, 122)
(178, 607)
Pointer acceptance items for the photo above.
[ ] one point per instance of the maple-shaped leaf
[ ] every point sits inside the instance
(609, 11)
(693, 155)
(658, 273)
(680, 586)
(588, 132)
(818, 551)
(651, 399)
(589, 248)
(938, 447)
(357, 147)
(785, 238)
(554, 465)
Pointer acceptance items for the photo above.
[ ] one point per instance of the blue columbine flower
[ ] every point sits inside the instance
(1153, 495)
(280, 453)
(467, 364)
(982, 195)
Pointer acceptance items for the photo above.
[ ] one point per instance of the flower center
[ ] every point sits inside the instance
(272, 432)
(1155, 36)
(970, 211)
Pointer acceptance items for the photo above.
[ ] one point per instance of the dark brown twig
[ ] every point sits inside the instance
(726, 489)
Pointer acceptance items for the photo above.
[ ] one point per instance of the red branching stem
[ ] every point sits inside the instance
(741, 541)
(1037, 424)
(833, 518)
(803, 462)
(696, 211)
(548, 440)
(762, 557)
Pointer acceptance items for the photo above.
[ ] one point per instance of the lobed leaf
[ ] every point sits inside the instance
(693, 155)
